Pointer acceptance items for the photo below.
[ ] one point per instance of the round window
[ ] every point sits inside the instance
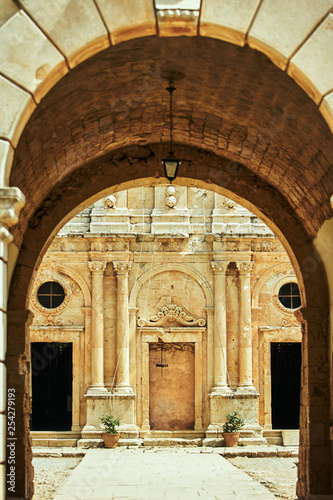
(51, 294)
(289, 296)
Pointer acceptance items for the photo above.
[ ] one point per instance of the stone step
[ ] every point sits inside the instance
(172, 442)
(273, 436)
(54, 443)
(190, 434)
(55, 434)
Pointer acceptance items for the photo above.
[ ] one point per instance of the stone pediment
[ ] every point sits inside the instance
(172, 313)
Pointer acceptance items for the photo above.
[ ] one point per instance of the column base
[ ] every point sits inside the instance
(123, 390)
(246, 389)
(221, 389)
(97, 390)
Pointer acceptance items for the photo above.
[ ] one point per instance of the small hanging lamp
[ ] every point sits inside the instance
(170, 163)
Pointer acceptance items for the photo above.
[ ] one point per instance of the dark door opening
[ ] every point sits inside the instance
(51, 366)
(286, 359)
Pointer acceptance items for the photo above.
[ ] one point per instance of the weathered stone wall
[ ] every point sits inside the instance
(169, 267)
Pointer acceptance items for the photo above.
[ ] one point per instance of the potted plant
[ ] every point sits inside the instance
(231, 429)
(111, 435)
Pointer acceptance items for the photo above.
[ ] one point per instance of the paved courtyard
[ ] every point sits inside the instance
(173, 473)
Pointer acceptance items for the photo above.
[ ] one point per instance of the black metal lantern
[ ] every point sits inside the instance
(171, 163)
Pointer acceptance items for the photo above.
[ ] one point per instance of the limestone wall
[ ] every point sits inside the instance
(169, 237)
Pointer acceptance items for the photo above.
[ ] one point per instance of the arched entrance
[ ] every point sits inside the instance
(227, 136)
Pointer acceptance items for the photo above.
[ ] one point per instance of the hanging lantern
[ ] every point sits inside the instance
(170, 163)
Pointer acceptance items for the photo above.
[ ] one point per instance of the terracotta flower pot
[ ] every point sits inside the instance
(231, 438)
(110, 440)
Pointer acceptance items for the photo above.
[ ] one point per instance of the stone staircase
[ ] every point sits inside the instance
(273, 437)
(55, 439)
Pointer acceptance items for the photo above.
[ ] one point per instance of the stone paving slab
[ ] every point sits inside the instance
(163, 473)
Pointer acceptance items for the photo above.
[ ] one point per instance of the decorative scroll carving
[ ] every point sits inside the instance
(173, 312)
(290, 321)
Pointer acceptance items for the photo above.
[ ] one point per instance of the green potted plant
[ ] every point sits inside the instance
(111, 435)
(231, 429)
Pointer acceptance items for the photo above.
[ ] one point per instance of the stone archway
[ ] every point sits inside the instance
(291, 183)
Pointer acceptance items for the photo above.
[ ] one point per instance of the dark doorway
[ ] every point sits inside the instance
(286, 361)
(51, 366)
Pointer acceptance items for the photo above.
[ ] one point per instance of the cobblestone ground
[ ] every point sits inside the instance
(279, 475)
(50, 473)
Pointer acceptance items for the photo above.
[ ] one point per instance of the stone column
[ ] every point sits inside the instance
(97, 329)
(210, 346)
(133, 347)
(87, 345)
(220, 328)
(123, 385)
(13, 353)
(245, 333)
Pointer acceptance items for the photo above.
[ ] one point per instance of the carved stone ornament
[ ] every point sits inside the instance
(290, 320)
(35, 304)
(219, 267)
(230, 204)
(170, 199)
(245, 268)
(97, 267)
(122, 267)
(285, 310)
(174, 313)
(110, 201)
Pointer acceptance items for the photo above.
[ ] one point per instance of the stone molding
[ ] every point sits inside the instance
(172, 311)
(97, 267)
(122, 268)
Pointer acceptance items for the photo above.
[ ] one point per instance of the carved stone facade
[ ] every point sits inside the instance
(176, 272)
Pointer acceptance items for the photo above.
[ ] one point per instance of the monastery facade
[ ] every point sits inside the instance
(169, 307)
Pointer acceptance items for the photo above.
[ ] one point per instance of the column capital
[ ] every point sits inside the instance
(97, 267)
(245, 268)
(12, 200)
(219, 267)
(122, 268)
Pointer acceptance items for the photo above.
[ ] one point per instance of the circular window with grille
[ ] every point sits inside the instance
(289, 296)
(51, 294)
